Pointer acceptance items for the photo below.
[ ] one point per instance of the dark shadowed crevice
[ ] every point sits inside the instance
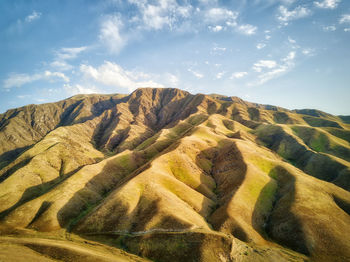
(229, 171)
(342, 204)
(36, 191)
(86, 199)
(7, 157)
(282, 225)
(318, 165)
(14, 168)
(264, 205)
(44, 206)
(68, 115)
(105, 128)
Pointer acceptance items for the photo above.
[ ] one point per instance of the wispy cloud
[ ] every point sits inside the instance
(70, 53)
(219, 49)
(79, 89)
(18, 80)
(112, 74)
(33, 16)
(308, 51)
(293, 43)
(160, 14)
(246, 29)
(216, 28)
(260, 45)
(220, 75)
(329, 28)
(110, 33)
(195, 73)
(262, 64)
(222, 18)
(64, 54)
(238, 75)
(286, 15)
(327, 4)
(344, 19)
(275, 69)
(216, 15)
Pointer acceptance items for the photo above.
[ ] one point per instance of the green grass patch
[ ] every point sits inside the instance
(263, 164)
(320, 122)
(341, 133)
(182, 173)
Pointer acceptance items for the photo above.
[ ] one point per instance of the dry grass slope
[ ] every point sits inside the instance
(167, 175)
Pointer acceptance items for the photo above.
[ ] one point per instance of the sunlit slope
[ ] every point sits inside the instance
(166, 174)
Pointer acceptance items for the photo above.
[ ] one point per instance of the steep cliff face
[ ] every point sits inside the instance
(166, 174)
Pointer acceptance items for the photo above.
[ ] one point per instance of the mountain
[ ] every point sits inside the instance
(166, 175)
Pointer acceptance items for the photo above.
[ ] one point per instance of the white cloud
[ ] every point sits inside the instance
(216, 28)
(215, 15)
(154, 18)
(308, 51)
(160, 14)
(289, 57)
(329, 4)
(110, 34)
(49, 75)
(111, 74)
(260, 45)
(173, 80)
(346, 29)
(66, 54)
(291, 40)
(70, 52)
(329, 28)
(287, 63)
(246, 29)
(78, 89)
(18, 80)
(40, 100)
(23, 96)
(238, 75)
(220, 74)
(293, 43)
(344, 19)
(33, 16)
(61, 65)
(219, 49)
(286, 15)
(195, 73)
(262, 64)
(223, 18)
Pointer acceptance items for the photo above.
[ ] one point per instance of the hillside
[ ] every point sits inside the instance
(166, 175)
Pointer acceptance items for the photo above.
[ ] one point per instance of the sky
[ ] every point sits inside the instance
(289, 53)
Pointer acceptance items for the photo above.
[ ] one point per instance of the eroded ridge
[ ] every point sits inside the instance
(162, 174)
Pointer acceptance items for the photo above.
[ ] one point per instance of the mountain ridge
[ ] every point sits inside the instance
(195, 172)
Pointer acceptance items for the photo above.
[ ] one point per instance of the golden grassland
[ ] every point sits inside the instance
(167, 175)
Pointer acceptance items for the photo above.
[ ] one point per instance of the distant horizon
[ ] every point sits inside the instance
(288, 53)
(126, 94)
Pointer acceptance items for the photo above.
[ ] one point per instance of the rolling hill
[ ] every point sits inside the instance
(165, 175)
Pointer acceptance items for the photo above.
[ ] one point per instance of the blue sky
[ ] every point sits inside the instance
(288, 53)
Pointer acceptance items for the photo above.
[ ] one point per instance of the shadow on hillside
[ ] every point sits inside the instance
(97, 108)
(9, 156)
(229, 171)
(280, 223)
(36, 191)
(114, 173)
(318, 165)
